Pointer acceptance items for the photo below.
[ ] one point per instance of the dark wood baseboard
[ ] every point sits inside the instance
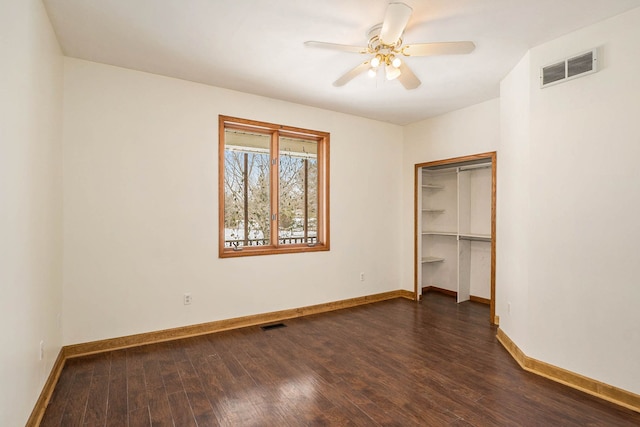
(47, 391)
(588, 385)
(84, 349)
(480, 300)
(454, 294)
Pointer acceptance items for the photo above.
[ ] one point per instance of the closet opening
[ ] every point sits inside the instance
(455, 228)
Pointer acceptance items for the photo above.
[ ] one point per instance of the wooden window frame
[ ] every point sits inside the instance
(275, 130)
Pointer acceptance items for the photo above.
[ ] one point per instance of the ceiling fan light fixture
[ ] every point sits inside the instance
(392, 72)
(385, 46)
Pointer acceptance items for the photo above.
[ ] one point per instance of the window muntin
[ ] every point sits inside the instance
(274, 184)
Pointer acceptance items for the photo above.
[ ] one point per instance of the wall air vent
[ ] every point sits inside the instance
(273, 326)
(568, 69)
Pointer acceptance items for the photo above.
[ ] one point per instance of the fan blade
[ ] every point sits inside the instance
(351, 74)
(444, 48)
(395, 21)
(336, 46)
(407, 78)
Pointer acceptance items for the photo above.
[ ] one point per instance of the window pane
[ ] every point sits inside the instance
(298, 192)
(247, 205)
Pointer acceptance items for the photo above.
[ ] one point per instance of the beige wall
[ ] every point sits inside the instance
(471, 130)
(513, 205)
(141, 213)
(577, 304)
(30, 205)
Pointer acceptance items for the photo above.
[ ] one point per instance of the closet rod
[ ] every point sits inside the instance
(480, 166)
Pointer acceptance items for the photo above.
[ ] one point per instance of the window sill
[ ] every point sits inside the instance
(272, 250)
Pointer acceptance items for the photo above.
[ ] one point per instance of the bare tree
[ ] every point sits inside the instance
(247, 182)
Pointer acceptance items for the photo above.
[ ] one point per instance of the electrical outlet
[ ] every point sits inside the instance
(41, 355)
(508, 308)
(187, 299)
(362, 276)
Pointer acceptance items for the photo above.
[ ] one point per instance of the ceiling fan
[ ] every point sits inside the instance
(385, 47)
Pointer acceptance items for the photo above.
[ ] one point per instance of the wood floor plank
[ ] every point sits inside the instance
(96, 412)
(181, 410)
(76, 403)
(139, 417)
(392, 363)
(170, 377)
(117, 411)
(198, 399)
(159, 410)
(152, 374)
(136, 392)
(59, 398)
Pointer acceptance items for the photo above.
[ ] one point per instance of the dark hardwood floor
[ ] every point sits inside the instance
(396, 363)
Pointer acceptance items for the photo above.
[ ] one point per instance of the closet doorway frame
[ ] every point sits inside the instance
(417, 235)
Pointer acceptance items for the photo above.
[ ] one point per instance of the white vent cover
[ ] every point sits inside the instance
(568, 69)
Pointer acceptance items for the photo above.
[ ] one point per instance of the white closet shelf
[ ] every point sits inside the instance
(429, 259)
(475, 237)
(433, 210)
(433, 186)
(439, 233)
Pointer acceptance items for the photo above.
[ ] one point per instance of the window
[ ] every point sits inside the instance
(273, 188)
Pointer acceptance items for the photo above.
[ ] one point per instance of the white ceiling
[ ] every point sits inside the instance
(256, 46)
